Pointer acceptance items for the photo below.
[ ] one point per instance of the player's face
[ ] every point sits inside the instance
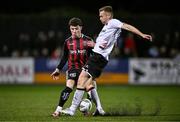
(75, 31)
(104, 17)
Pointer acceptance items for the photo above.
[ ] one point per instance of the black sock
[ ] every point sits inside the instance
(64, 96)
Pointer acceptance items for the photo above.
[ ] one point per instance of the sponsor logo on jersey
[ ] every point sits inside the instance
(77, 51)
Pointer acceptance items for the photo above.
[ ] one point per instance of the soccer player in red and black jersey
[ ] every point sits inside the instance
(77, 50)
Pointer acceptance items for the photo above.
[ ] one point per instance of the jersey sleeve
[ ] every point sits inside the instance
(64, 57)
(114, 23)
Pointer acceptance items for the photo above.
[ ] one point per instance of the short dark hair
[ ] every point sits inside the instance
(75, 22)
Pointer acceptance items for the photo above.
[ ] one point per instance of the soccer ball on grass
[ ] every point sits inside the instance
(85, 106)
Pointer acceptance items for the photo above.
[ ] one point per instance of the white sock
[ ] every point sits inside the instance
(58, 109)
(95, 98)
(95, 85)
(78, 95)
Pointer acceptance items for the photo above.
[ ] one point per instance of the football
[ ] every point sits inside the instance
(85, 106)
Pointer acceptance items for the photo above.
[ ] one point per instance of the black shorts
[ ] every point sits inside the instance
(73, 74)
(95, 65)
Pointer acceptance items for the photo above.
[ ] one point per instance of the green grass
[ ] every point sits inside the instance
(122, 103)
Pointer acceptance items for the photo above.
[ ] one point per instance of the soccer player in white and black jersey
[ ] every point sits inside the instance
(102, 49)
(77, 49)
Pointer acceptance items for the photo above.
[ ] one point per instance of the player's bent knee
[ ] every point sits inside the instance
(89, 87)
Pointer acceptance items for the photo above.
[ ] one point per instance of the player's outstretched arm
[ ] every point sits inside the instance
(136, 31)
(55, 74)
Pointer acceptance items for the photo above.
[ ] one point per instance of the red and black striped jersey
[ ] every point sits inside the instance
(76, 51)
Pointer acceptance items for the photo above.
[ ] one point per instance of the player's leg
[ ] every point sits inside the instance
(78, 95)
(92, 88)
(66, 92)
(91, 70)
(89, 92)
(64, 95)
(96, 99)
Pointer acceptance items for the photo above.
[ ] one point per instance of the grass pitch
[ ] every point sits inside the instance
(122, 103)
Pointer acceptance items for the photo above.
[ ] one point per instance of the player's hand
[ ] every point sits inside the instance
(148, 37)
(55, 74)
(90, 44)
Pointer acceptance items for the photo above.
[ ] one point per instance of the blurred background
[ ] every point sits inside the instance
(32, 34)
(143, 75)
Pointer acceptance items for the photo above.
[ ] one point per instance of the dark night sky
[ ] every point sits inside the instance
(133, 6)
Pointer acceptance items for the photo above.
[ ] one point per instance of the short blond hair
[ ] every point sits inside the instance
(108, 9)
